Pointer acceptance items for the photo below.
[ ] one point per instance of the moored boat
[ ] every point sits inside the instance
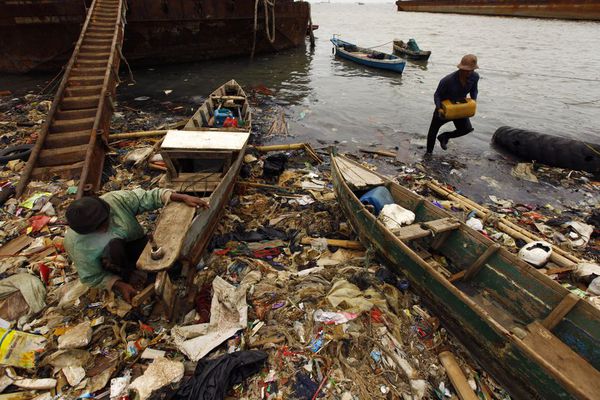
(41, 34)
(368, 57)
(203, 159)
(563, 9)
(532, 335)
(410, 50)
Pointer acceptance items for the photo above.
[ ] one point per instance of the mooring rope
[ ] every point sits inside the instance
(269, 32)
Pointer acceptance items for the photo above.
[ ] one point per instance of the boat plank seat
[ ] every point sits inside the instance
(442, 225)
(424, 229)
(356, 176)
(575, 372)
(234, 98)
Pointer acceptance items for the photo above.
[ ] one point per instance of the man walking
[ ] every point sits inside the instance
(453, 87)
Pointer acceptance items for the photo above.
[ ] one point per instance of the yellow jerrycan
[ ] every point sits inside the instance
(464, 108)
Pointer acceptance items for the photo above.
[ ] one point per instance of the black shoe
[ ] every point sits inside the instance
(443, 142)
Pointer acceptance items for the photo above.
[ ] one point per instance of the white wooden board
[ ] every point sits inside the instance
(205, 140)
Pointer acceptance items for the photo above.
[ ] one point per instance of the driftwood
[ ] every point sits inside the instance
(383, 153)
(289, 147)
(457, 377)
(346, 244)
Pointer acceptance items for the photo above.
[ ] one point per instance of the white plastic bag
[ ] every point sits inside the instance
(394, 216)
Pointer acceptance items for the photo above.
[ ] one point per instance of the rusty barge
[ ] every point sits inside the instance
(40, 35)
(561, 9)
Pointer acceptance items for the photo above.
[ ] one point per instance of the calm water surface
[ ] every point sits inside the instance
(536, 74)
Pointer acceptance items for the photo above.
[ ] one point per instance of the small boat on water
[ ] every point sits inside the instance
(203, 159)
(535, 337)
(410, 50)
(368, 57)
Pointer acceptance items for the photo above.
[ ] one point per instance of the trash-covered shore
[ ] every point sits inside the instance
(278, 312)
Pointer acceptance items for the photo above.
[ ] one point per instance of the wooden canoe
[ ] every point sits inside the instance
(402, 49)
(205, 162)
(227, 96)
(532, 335)
(368, 57)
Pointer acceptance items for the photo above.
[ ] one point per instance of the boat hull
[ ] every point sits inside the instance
(562, 9)
(497, 350)
(40, 35)
(395, 65)
(421, 56)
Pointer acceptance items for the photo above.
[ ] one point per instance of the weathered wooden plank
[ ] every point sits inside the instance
(171, 228)
(411, 232)
(442, 225)
(358, 176)
(574, 372)
(15, 246)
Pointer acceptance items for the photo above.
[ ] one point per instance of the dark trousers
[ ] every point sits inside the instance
(120, 256)
(463, 126)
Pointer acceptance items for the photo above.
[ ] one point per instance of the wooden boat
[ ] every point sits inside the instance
(229, 96)
(203, 160)
(404, 50)
(368, 57)
(536, 338)
(563, 9)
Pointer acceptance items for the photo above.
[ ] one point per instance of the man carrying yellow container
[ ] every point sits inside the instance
(452, 104)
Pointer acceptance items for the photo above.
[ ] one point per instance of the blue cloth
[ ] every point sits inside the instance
(450, 88)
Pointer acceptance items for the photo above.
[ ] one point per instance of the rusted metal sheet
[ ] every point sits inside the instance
(72, 140)
(562, 9)
(40, 35)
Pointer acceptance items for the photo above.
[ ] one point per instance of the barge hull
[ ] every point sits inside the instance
(40, 35)
(560, 9)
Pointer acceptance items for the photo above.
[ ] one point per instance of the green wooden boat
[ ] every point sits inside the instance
(532, 335)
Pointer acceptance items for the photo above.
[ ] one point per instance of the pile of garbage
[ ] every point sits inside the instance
(286, 303)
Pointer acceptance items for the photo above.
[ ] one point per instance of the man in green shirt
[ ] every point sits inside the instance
(102, 229)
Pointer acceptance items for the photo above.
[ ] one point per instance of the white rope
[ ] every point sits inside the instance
(270, 32)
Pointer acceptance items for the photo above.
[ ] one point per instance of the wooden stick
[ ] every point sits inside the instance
(346, 244)
(265, 186)
(559, 256)
(143, 295)
(157, 167)
(312, 154)
(383, 153)
(136, 135)
(280, 147)
(457, 377)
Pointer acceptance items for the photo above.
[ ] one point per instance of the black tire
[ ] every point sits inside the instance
(548, 149)
(18, 152)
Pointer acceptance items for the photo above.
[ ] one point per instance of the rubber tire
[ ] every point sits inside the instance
(18, 152)
(548, 149)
